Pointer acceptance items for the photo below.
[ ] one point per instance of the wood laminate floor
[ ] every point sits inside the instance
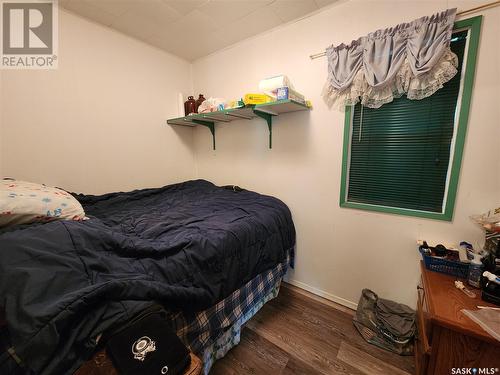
(297, 333)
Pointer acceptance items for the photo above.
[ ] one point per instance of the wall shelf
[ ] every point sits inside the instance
(265, 111)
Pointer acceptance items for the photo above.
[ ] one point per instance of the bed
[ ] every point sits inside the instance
(212, 256)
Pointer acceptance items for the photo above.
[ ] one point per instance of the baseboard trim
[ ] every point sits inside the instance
(323, 294)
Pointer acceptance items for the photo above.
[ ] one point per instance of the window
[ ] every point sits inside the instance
(404, 157)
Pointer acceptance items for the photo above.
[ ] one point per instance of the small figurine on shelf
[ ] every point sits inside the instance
(189, 106)
(200, 100)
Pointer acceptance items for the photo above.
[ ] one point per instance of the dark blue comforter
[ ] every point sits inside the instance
(186, 246)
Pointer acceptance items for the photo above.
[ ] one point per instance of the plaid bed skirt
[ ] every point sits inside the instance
(211, 333)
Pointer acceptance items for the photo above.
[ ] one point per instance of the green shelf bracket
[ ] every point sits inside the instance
(269, 119)
(210, 125)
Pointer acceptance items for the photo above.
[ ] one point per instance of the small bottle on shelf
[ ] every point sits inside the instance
(189, 106)
(200, 100)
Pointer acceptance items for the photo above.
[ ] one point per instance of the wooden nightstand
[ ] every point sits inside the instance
(446, 337)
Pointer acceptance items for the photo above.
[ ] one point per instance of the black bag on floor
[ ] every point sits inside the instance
(148, 346)
(387, 324)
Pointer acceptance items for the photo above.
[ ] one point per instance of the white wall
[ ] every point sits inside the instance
(98, 123)
(340, 251)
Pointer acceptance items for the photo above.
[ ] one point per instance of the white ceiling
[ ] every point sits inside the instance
(192, 28)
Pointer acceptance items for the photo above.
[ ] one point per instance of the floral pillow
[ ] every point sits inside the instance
(24, 202)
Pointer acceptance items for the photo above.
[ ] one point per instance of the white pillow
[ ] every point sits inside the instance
(24, 202)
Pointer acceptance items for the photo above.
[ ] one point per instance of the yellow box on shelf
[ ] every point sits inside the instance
(257, 99)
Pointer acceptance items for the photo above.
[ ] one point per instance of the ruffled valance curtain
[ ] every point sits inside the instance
(411, 58)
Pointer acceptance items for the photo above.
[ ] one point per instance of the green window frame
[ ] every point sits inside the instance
(473, 25)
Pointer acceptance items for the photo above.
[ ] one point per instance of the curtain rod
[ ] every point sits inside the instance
(467, 11)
